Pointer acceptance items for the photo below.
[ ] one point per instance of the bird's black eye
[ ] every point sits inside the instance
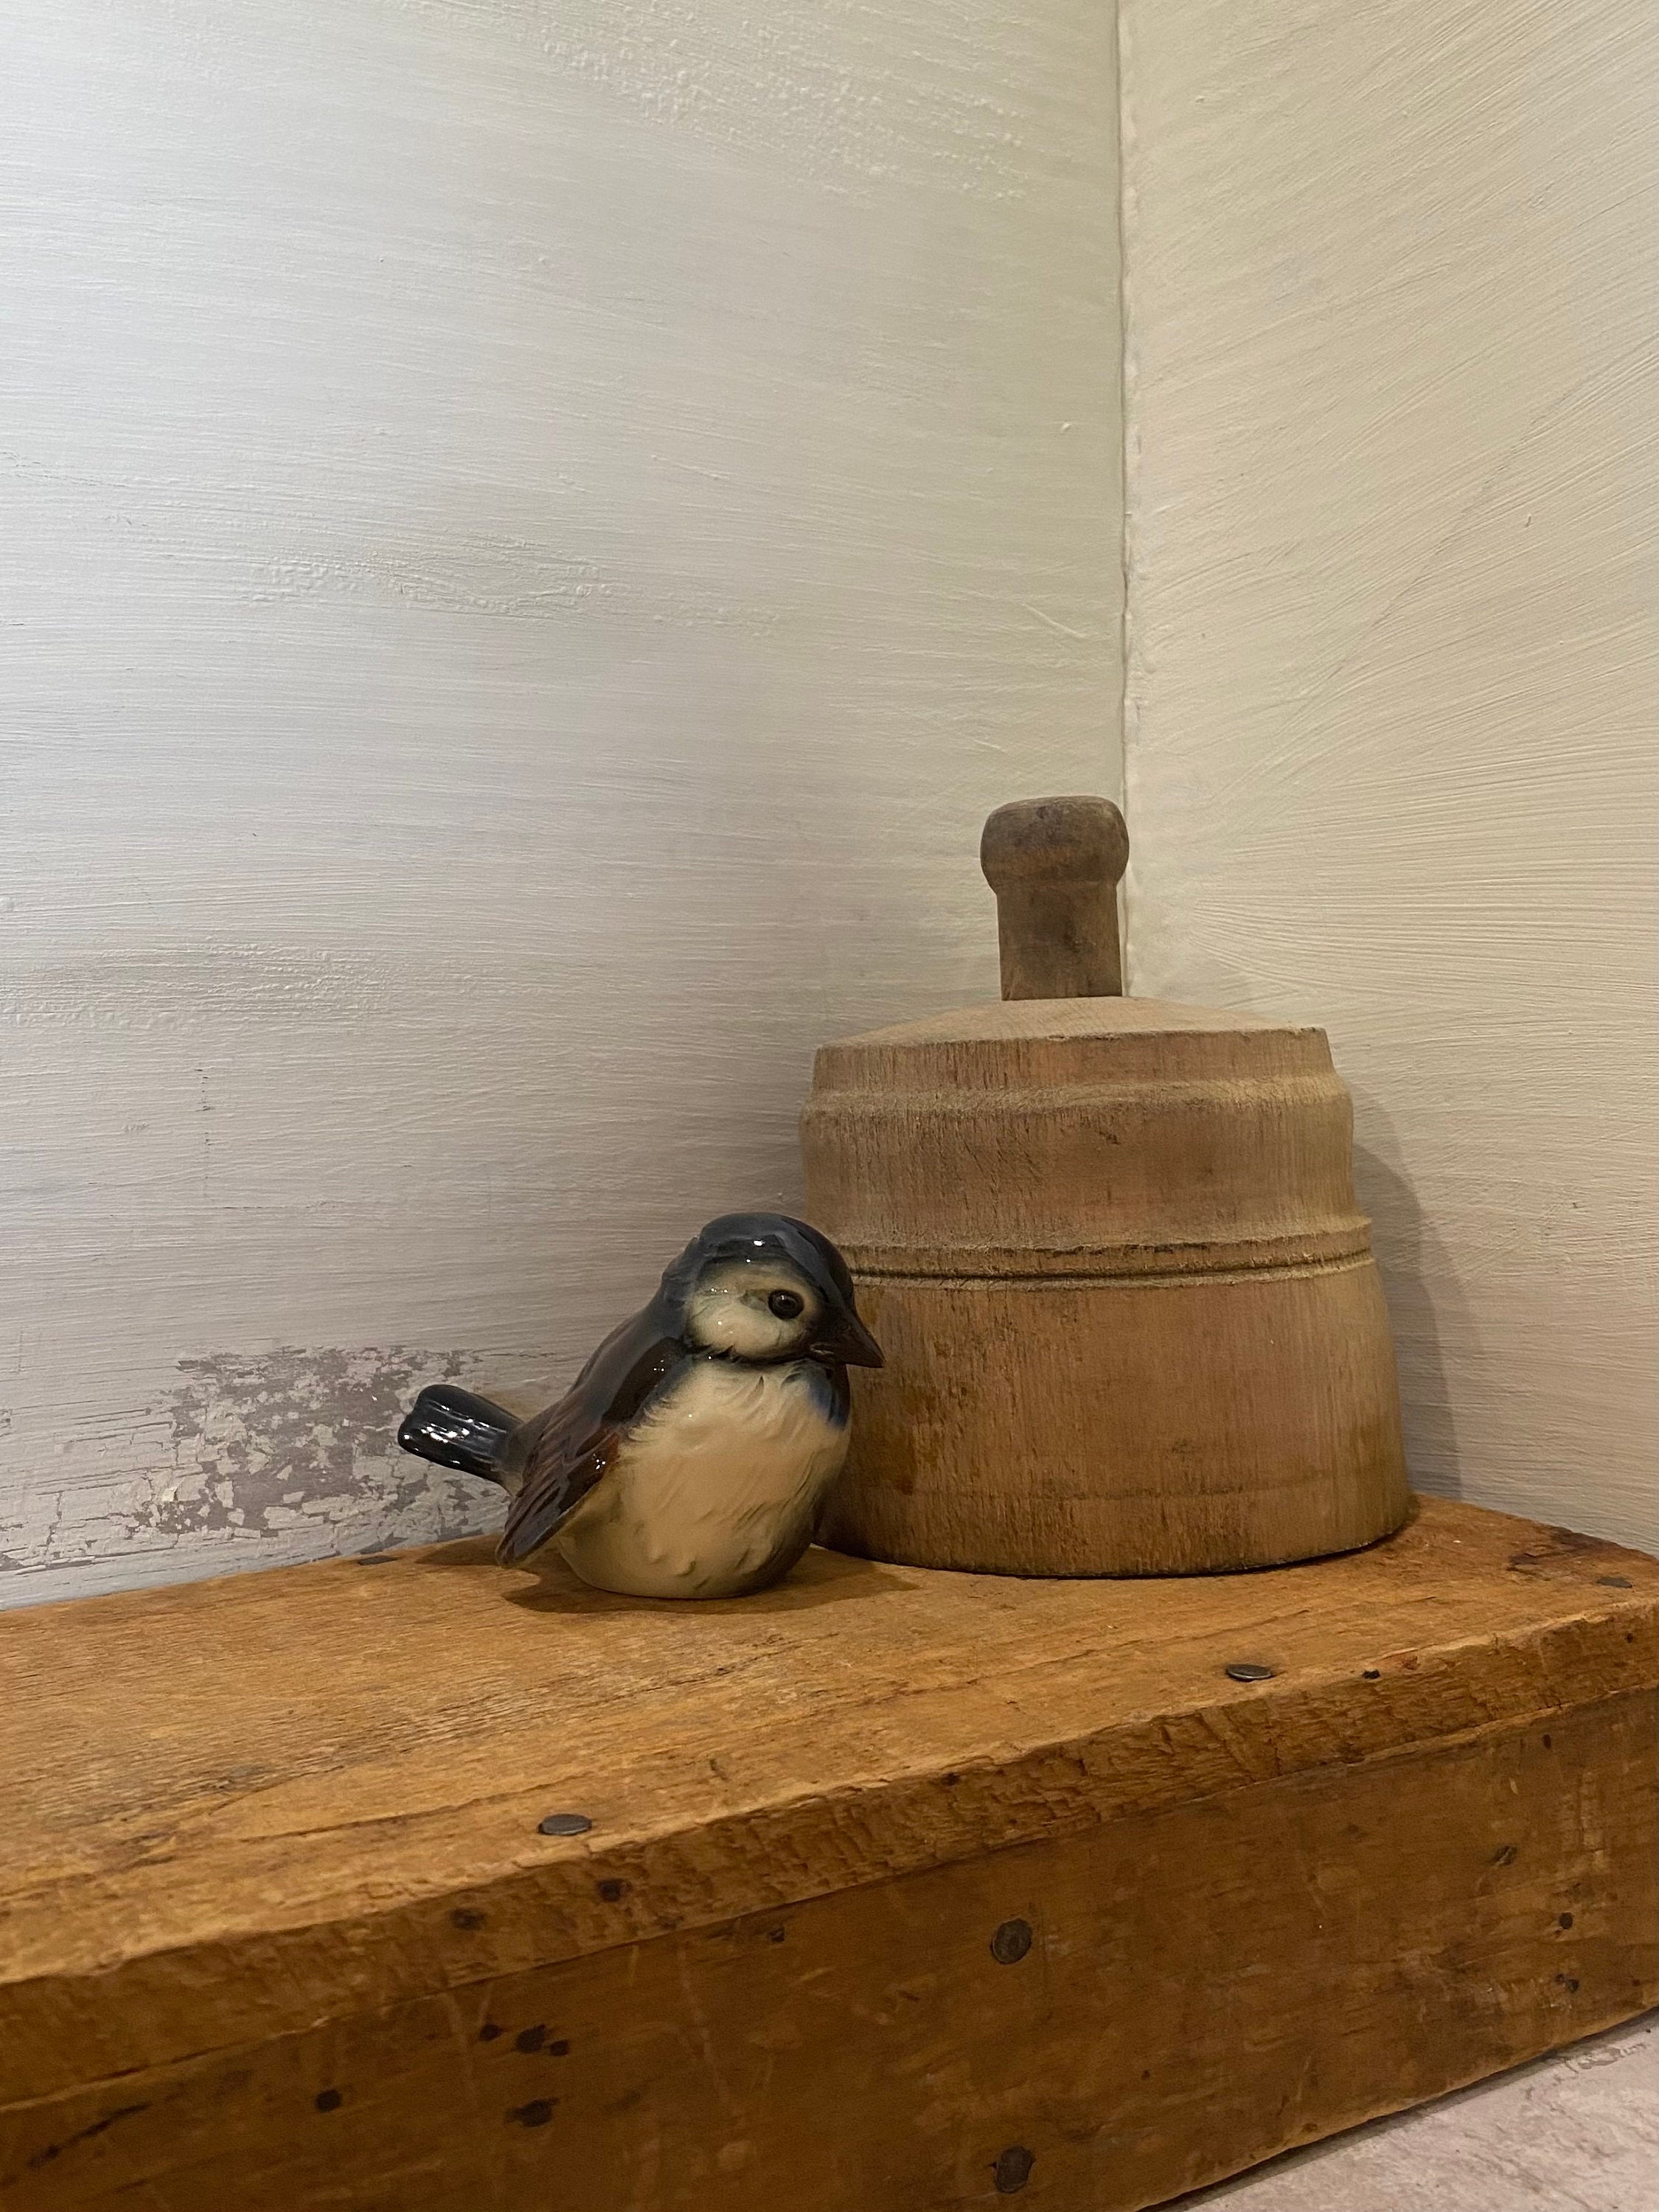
(786, 1305)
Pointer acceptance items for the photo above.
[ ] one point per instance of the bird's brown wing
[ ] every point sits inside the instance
(568, 1448)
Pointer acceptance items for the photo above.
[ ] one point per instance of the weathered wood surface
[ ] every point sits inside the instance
(1055, 864)
(1112, 1251)
(273, 1880)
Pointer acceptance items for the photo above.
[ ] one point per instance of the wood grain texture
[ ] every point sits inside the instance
(1055, 864)
(1132, 1320)
(292, 1875)
(1272, 1433)
(1204, 1987)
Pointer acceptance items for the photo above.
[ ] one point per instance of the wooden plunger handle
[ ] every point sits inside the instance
(1055, 864)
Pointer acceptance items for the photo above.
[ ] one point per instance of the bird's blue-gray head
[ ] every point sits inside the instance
(763, 1288)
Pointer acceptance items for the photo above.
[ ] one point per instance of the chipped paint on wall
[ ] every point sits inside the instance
(1391, 543)
(534, 537)
(254, 1459)
(271, 1441)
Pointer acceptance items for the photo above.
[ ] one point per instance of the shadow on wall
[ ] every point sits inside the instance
(1420, 1284)
(1419, 1280)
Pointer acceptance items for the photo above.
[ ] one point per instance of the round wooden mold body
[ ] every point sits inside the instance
(1132, 1320)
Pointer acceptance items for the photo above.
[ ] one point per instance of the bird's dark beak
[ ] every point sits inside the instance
(849, 1342)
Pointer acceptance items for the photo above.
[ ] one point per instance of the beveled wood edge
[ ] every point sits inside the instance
(708, 1873)
(1321, 1252)
(743, 1840)
(1112, 1018)
(946, 1093)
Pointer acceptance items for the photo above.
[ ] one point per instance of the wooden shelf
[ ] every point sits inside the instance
(280, 1927)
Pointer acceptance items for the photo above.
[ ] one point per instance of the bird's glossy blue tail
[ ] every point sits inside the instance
(457, 1428)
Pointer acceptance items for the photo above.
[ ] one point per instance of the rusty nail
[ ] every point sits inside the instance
(1012, 2170)
(1011, 1942)
(1248, 1670)
(564, 1824)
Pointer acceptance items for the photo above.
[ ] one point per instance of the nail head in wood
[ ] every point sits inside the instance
(1012, 2170)
(1011, 1942)
(1055, 864)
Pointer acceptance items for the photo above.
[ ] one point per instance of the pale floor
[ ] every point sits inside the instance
(1576, 2132)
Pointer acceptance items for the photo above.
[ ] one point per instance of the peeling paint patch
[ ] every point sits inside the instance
(270, 1443)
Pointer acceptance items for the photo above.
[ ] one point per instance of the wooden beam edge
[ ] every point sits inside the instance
(573, 1898)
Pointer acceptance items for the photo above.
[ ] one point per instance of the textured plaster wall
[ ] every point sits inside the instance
(1389, 352)
(533, 532)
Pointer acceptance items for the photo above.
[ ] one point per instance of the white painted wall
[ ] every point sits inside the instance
(534, 531)
(1390, 286)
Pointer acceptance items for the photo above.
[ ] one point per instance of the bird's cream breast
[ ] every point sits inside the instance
(711, 1487)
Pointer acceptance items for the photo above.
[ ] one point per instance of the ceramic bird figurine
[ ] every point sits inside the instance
(691, 1455)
